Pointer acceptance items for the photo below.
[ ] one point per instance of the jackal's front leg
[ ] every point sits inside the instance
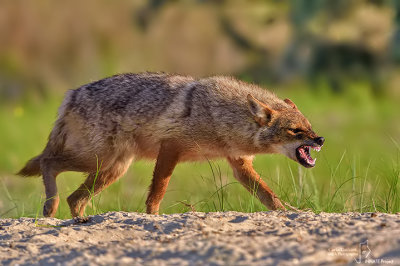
(167, 159)
(244, 172)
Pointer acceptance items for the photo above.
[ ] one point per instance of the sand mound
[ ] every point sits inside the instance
(232, 238)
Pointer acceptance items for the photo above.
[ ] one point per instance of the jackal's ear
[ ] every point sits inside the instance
(288, 101)
(261, 112)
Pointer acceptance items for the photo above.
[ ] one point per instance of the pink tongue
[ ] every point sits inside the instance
(307, 157)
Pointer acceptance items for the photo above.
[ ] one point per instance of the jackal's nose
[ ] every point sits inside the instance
(319, 140)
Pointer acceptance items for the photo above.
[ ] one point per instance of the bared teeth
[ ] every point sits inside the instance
(304, 152)
(318, 148)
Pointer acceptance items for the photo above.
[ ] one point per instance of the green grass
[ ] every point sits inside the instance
(358, 168)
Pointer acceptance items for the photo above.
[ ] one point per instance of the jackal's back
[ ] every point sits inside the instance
(140, 110)
(143, 95)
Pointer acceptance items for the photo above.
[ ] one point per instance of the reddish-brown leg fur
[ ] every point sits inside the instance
(52, 166)
(244, 172)
(93, 185)
(52, 198)
(167, 159)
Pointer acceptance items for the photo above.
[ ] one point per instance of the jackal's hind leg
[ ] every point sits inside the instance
(93, 185)
(244, 172)
(52, 199)
(51, 166)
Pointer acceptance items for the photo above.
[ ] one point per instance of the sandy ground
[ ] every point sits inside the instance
(229, 238)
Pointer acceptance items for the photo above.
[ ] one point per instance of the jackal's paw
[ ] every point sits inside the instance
(49, 210)
(81, 220)
(277, 205)
(50, 207)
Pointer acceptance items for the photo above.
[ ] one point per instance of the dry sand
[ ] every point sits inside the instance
(228, 238)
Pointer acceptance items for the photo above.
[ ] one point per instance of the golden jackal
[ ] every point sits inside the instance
(170, 118)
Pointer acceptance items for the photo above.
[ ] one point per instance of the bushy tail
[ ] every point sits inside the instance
(32, 167)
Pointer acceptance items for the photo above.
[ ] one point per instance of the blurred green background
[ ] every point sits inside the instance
(337, 60)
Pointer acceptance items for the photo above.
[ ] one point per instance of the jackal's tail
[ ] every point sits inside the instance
(32, 167)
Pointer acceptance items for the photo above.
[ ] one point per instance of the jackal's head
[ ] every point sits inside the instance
(285, 130)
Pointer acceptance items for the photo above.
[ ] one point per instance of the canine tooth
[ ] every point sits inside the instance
(316, 148)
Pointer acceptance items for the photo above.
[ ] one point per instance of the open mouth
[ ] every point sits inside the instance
(304, 157)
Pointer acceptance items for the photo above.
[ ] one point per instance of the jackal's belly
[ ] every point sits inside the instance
(147, 147)
(202, 152)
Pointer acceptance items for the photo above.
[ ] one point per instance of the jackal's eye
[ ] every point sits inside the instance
(295, 130)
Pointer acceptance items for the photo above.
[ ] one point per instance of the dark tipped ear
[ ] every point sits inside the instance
(288, 101)
(261, 112)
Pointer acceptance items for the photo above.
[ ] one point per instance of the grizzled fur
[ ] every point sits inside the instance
(104, 125)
